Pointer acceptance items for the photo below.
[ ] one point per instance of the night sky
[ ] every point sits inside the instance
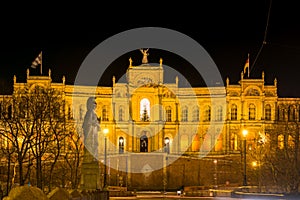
(227, 30)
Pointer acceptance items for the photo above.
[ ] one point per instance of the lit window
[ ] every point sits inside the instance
(104, 113)
(169, 114)
(291, 142)
(234, 112)
(234, 142)
(291, 113)
(207, 114)
(184, 114)
(280, 141)
(196, 143)
(268, 112)
(252, 112)
(196, 114)
(219, 113)
(121, 145)
(145, 109)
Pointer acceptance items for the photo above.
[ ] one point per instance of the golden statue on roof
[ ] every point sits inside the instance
(145, 54)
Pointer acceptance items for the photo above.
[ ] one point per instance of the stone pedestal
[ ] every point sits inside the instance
(90, 173)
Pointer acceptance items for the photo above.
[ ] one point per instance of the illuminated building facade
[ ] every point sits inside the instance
(146, 116)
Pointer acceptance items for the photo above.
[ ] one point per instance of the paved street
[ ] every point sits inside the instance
(174, 197)
(167, 197)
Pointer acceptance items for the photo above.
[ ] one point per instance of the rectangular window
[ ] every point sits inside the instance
(184, 115)
(169, 115)
(234, 113)
(268, 114)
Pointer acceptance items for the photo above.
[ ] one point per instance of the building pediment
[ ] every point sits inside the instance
(138, 76)
(253, 91)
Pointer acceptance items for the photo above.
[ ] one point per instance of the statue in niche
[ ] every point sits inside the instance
(145, 55)
(91, 127)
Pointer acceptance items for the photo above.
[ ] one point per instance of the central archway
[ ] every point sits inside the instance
(144, 143)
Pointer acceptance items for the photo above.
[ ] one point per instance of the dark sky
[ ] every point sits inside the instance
(228, 31)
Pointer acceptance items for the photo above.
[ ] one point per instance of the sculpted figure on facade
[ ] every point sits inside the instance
(145, 55)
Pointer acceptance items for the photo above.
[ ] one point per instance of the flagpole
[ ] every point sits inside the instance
(248, 66)
(248, 72)
(41, 62)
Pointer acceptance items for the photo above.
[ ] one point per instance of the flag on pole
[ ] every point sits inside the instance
(37, 61)
(247, 66)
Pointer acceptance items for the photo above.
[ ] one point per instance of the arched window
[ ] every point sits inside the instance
(268, 112)
(291, 142)
(121, 113)
(196, 114)
(234, 112)
(207, 113)
(121, 144)
(167, 145)
(252, 112)
(291, 113)
(104, 113)
(145, 109)
(280, 141)
(234, 142)
(218, 141)
(184, 114)
(169, 114)
(280, 113)
(208, 143)
(144, 143)
(219, 113)
(196, 143)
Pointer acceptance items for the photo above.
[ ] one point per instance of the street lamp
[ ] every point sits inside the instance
(105, 132)
(245, 132)
(166, 149)
(254, 164)
(215, 174)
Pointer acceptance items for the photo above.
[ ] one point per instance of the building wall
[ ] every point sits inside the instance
(199, 122)
(191, 111)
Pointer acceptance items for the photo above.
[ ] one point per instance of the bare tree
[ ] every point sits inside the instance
(46, 113)
(33, 122)
(8, 152)
(73, 158)
(257, 153)
(283, 156)
(15, 130)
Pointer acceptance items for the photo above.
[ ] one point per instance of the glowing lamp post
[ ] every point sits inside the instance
(105, 132)
(216, 173)
(245, 132)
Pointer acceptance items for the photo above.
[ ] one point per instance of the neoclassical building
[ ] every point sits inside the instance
(152, 124)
